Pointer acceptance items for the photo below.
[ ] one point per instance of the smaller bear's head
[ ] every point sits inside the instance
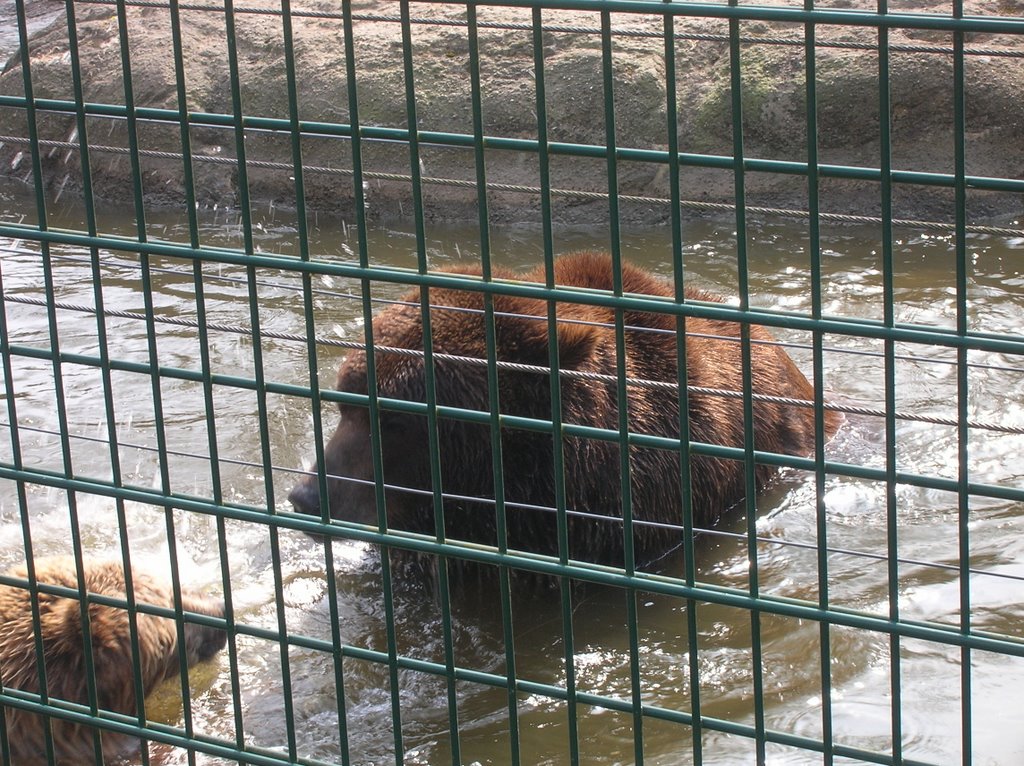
(110, 631)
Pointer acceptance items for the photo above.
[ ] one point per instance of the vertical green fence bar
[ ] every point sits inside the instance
(685, 482)
(430, 371)
(39, 201)
(373, 405)
(814, 246)
(493, 387)
(621, 396)
(122, 517)
(558, 455)
(962, 408)
(739, 186)
(259, 373)
(81, 130)
(312, 357)
(140, 233)
(889, 321)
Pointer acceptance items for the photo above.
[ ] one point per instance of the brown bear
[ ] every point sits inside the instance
(586, 342)
(60, 623)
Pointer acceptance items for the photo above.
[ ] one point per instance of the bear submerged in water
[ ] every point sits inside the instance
(586, 342)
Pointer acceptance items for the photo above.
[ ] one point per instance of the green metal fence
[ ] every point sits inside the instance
(204, 207)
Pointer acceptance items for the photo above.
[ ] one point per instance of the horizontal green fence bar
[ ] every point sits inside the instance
(154, 732)
(966, 23)
(925, 21)
(466, 141)
(522, 686)
(98, 598)
(856, 327)
(317, 14)
(576, 570)
(530, 424)
(157, 732)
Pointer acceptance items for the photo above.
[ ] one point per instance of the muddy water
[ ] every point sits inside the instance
(860, 662)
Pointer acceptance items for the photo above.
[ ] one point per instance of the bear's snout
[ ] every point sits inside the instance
(305, 498)
(211, 641)
(216, 639)
(203, 641)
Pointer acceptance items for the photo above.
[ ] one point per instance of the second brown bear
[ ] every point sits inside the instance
(64, 654)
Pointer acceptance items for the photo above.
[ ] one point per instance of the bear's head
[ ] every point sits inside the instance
(403, 462)
(110, 631)
(159, 635)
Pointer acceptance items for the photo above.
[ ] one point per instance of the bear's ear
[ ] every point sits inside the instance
(525, 340)
(577, 344)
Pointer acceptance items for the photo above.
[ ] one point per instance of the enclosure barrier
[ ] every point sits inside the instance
(168, 361)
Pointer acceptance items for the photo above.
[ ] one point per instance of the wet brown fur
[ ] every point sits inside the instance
(64, 653)
(592, 481)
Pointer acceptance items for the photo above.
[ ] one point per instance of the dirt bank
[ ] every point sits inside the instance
(773, 100)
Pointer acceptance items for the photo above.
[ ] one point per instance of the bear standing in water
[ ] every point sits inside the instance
(60, 622)
(586, 342)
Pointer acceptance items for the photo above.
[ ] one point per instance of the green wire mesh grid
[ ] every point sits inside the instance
(167, 363)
